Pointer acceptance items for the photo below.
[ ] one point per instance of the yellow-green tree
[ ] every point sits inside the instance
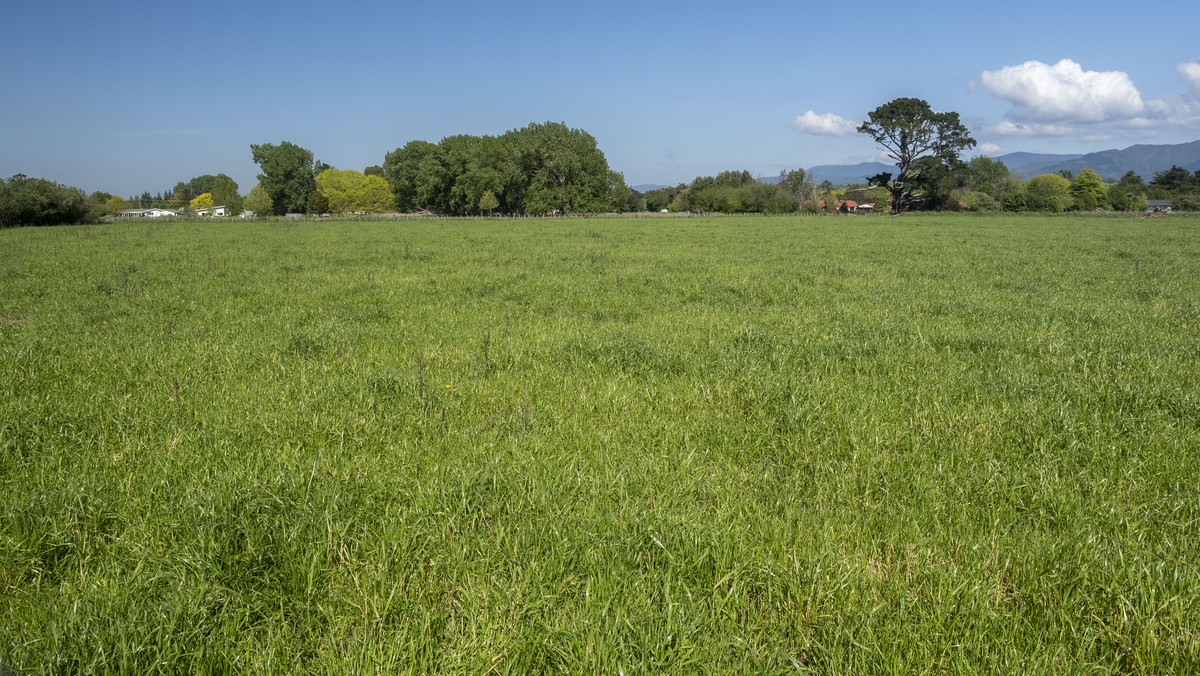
(488, 201)
(115, 205)
(258, 201)
(201, 202)
(348, 190)
(1088, 191)
(1048, 192)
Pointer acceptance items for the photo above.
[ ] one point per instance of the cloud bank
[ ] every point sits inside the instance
(1064, 92)
(1189, 72)
(823, 125)
(1064, 99)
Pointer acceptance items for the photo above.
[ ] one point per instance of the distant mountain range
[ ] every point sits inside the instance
(1143, 160)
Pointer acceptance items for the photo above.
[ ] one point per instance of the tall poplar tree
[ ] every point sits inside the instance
(287, 175)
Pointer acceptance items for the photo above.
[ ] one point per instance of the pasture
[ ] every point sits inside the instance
(817, 445)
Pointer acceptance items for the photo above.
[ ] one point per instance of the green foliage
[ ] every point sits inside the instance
(794, 182)
(1131, 183)
(200, 185)
(287, 175)
(682, 201)
(225, 193)
(115, 205)
(990, 177)
(1048, 192)
(730, 192)
(985, 174)
(317, 204)
(406, 170)
(978, 201)
(538, 169)
(348, 191)
(1015, 199)
(181, 195)
(922, 142)
(1175, 180)
(1189, 202)
(563, 170)
(661, 198)
(258, 201)
(488, 201)
(1088, 191)
(36, 201)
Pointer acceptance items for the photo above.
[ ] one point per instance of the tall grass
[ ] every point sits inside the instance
(926, 444)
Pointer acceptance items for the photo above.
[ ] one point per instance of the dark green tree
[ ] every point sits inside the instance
(36, 201)
(180, 196)
(1128, 193)
(793, 182)
(403, 168)
(909, 131)
(200, 185)
(1174, 180)
(225, 193)
(661, 198)
(287, 175)
(316, 204)
(564, 170)
(538, 169)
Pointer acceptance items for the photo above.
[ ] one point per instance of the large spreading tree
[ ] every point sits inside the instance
(538, 169)
(922, 142)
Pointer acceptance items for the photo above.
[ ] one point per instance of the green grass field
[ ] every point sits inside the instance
(855, 445)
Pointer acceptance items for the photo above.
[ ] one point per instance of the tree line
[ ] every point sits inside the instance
(551, 168)
(542, 168)
(37, 201)
(984, 184)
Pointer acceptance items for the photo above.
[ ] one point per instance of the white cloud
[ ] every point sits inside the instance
(1189, 72)
(824, 125)
(1007, 128)
(989, 149)
(1065, 92)
(1177, 111)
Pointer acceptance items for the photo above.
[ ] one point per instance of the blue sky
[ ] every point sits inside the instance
(130, 96)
